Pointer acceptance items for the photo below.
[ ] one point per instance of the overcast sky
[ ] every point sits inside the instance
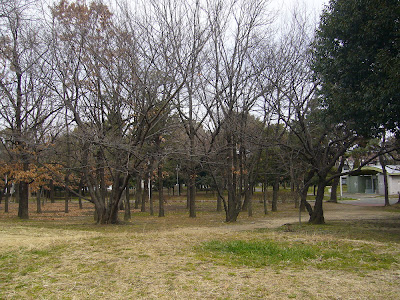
(314, 6)
(283, 10)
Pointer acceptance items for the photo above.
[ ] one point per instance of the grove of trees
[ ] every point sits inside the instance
(99, 96)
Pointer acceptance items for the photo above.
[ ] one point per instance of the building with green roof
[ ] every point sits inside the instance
(369, 180)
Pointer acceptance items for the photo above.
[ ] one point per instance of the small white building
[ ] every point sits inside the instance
(393, 172)
(370, 180)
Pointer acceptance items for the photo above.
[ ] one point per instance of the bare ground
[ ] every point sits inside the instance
(153, 258)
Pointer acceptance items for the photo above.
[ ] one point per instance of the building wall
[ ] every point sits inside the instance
(393, 185)
(363, 184)
(356, 184)
(381, 185)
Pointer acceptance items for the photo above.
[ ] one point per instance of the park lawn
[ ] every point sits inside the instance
(60, 256)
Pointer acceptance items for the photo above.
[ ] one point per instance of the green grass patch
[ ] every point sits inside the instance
(258, 253)
(324, 255)
(380, 230)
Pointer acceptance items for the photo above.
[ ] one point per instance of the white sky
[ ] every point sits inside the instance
(311, 6)
(309, 9)
(316, 5)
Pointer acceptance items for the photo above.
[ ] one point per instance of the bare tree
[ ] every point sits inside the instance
(116, 83)
(26, 106)
(232, 80)
(319, 141)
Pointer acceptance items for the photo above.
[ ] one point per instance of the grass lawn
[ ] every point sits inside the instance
(66, 256)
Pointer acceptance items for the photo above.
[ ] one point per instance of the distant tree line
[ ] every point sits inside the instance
(97, 97)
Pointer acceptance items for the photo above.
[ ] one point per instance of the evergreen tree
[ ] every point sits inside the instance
(356, 60)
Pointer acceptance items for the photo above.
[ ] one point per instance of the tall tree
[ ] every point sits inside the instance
(318, 140)
(26, 104)
(186, 23)
(116, 82)
(356, 61)
(235, 40)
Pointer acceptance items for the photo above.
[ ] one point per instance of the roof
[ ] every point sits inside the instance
(392, 170)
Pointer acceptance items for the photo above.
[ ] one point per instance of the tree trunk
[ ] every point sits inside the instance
(294, 188)
(385, 179)
(99, 213)
(317, 216)
(144, 195)
(303, 198)
(138, 195)
(121, 203)
(80, 193)
(6, 200)
(219, 203)
(233, 211)
(192, 171)
(16, 192)
(107, 214)
(243, 182)
(38, 203)
(304, 191)
(265, 199)
(161, 212)
(112, 217)
(52, 196)
(192, 193)
(23, 204)
(119, 187)
(127, 214)
(23, 201)
(187, 196)
(67, 198)
(151, 203)
(234, 204)
(6, 196)
(101, 175)
(275, 190)
(296, 198)
(245, 205)
(336, 181)
(246, 191)
(249, 197)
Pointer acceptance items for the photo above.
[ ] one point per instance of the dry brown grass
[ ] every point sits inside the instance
(65, 256)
